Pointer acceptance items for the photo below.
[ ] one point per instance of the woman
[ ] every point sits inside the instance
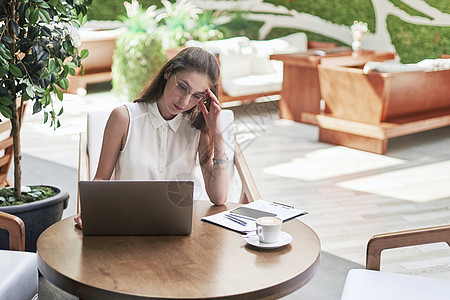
(159, 136)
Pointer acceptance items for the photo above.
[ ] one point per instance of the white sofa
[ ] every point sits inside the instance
(245, 65)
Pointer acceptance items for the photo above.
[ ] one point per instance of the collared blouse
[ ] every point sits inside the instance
(157, 149)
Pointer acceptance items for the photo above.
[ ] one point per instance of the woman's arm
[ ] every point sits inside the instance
(114, 139)
(215, 175)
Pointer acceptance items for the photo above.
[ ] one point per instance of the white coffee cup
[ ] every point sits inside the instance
(268, 229)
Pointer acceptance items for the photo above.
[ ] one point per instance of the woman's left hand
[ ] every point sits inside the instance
(212, 116)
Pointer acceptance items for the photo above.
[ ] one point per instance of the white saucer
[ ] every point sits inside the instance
(285, 238)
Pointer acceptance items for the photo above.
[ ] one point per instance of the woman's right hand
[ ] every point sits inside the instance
(78, 221)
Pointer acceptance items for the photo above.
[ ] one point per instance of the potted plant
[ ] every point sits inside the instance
(38, 49)
(138, 54)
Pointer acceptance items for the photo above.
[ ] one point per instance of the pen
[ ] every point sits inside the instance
(240, 222)
(284, 205)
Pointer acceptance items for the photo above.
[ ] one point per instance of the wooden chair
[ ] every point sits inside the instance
(372, 284)
(91, 141)
(7, 149)
(18, 269)
(7, 152)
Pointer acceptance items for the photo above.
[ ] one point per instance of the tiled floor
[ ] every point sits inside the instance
(350, 194)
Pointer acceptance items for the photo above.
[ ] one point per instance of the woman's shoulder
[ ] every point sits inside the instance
(120, 115)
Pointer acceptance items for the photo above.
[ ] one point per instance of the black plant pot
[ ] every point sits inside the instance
(37, 216)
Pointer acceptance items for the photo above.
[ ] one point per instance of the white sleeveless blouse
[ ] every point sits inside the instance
(156, 149)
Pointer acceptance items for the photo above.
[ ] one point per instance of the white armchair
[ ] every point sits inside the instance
(18, 269)
(372, 284)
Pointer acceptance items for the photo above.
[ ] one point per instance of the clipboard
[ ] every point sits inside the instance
(283, 211)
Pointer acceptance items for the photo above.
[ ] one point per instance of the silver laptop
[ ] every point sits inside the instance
(136, 207)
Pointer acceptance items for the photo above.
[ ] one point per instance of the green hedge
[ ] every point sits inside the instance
(414, 42)
(442, 5)
(338, 12)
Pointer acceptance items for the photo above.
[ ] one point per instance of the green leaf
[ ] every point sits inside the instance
(64, 84)
(44, 73)
(15, 71)
(71, 64)
(59, 94)
(7, 39)
(2, 70)
(80, 18)
(84, 53)
(53, 67)
(6, 112)
(30, 91)
(37, 107)
(33, 16)
(15, 27)
(72, 71)
(61, 111)
(39, 89)
(58, 124)
(27, 13)
(4, 52)
(82, 70)
(61, 8)
(45, 117)
(43, 5)
(84, 19)
(44, 15)
(5, 101)
(26, 97)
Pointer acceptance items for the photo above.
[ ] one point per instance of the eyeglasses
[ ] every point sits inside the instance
(184, 90)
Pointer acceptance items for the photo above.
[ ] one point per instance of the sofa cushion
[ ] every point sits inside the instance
(376, 285)
(260, 61)
(18, 275)
(438, 64)
(293, 43)
(253, 84)
(234, 55)
(391, 67)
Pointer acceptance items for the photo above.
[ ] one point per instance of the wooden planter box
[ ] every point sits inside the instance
(368, 109)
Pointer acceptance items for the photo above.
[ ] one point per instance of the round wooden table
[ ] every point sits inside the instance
(212, 262)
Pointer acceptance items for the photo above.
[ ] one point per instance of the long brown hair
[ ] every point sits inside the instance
(191, 59)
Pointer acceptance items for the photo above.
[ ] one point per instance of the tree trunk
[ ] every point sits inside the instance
(16, 109)
(15, 123)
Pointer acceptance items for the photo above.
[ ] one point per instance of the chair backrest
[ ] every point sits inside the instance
(6, 151)
(96, 122)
